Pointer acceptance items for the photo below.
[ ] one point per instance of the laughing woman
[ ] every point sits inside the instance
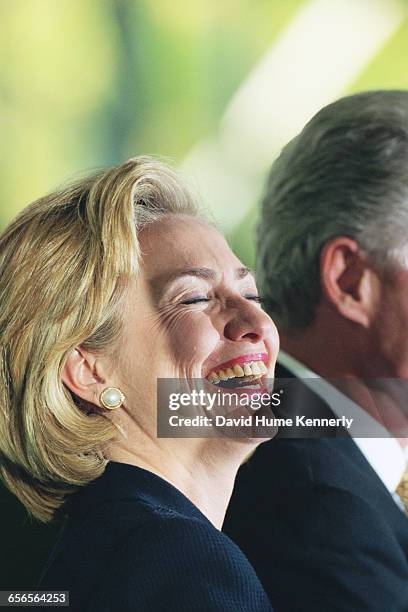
(106, 286)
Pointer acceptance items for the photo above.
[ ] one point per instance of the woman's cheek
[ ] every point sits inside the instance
(193, 346)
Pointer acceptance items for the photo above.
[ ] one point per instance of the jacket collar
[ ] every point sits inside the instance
(122, 481)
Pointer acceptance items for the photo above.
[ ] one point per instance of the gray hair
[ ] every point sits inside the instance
(345, 174)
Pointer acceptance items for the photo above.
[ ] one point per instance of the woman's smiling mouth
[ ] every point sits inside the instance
(242, 371)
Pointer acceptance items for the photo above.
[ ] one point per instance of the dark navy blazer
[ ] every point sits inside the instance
(320, 528)
(133, 542)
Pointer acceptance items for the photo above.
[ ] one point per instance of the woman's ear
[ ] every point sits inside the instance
(348, 283)
(80, 374)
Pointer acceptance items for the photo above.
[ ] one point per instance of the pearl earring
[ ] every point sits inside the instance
(111, 398)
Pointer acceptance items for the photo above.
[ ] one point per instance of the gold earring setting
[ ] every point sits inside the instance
(111, 398)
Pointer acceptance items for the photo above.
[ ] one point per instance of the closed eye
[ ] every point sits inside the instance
(195, 300)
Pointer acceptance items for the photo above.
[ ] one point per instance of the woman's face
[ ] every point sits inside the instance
(193, 309)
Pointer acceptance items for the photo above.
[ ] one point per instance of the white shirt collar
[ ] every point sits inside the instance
(384, 453)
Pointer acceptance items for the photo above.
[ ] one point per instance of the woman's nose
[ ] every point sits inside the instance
(248, 322)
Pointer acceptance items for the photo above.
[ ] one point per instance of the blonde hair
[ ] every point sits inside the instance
(65, 263)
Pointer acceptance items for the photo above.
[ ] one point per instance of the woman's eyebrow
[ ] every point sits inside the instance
(209, 274)
(205, 273)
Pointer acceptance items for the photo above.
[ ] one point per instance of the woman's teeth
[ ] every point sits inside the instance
(253, 369)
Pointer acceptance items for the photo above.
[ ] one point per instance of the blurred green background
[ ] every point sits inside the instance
(216, 87)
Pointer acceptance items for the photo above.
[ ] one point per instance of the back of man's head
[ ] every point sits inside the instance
(345, 174)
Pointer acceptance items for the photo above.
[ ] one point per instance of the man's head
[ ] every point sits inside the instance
(333, 236)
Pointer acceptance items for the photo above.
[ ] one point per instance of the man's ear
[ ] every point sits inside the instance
(347, 282)
(80, 374)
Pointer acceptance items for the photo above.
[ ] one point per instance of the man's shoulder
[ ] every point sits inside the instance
(312, 488)
(299, 480)
(297, 462)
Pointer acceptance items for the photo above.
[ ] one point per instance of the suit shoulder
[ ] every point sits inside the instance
(318, 516)
(297, 462)
(315, 535)
(186, 539)
(182, 563)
